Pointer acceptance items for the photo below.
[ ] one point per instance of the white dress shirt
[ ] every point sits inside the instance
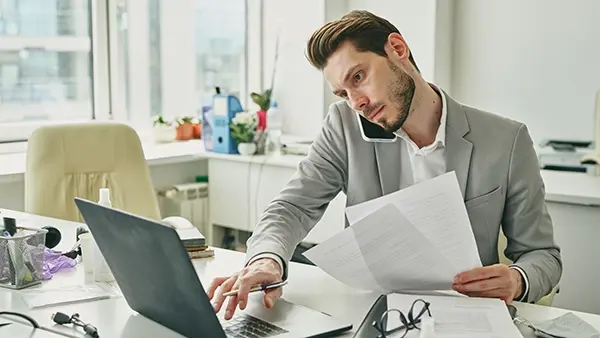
(420, 164)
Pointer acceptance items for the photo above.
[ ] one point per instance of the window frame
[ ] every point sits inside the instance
(178, 68)
(109, 98)
(15, 132)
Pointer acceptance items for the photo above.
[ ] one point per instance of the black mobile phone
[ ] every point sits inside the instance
(372, 132)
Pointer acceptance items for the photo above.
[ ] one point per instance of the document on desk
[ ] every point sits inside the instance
(436, 208)
(459, 316)
(413, 240)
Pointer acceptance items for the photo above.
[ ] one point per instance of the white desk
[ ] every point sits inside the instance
(565, 187)
(572, 188)
(308, 286)
(246, 184)
(18, 330)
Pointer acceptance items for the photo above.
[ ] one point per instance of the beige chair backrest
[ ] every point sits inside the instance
(501, 247)
(76, 160)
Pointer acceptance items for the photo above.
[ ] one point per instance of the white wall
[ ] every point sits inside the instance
(427, 28)
(536, 61)
(298, 87)
(301, 91)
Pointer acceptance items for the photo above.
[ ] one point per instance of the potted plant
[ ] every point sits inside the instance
(243, 130)
(185, 128)
(197, 127)
(162, 130)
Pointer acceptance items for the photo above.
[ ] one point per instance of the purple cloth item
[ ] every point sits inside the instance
(54, 262)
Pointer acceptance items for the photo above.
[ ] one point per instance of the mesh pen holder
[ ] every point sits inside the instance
(22, 258)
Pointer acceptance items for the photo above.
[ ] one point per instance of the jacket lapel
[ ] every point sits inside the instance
(388, 166)
(458, 149)
(458, 152)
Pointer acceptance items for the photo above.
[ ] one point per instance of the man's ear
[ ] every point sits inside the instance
(396, 45)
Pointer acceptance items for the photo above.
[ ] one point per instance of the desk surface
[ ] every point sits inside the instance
(561, 187)
(18, 330)
(308, 286)
(574, 188)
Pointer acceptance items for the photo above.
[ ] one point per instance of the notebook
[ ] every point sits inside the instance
(191, 237)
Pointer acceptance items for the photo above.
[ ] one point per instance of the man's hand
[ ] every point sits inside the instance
(496, 281)
(261, 271)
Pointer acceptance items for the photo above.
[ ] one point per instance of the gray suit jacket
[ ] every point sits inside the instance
(497, 170)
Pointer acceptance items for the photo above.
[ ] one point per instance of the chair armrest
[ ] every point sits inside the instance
(592, 158)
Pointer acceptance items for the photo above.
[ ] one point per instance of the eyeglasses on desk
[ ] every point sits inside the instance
(408, 322)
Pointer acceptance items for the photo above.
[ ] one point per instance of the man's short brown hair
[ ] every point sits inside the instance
(367, 31)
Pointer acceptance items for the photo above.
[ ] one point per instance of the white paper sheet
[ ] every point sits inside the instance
(383, 252)
(436, 208)
(459, 316)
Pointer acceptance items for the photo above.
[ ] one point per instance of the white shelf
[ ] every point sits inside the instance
(562, 187)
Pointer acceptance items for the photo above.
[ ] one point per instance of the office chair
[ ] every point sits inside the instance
(76, 160)
(546, 300)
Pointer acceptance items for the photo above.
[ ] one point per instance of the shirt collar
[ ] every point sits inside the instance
(440, 136)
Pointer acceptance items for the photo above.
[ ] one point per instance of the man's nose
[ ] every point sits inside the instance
(359, 102)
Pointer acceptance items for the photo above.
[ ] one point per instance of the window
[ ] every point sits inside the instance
(170, 57)
(220, 53)
(45, 62)
(127, 60)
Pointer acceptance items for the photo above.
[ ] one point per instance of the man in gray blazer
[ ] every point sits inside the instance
(393, 129)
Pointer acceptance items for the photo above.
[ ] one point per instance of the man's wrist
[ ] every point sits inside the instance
(522, 283)
(268, 258)
(516, 275)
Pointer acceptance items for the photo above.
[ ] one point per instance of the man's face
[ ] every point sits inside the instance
(374, 86)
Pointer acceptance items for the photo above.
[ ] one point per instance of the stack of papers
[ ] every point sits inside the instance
(418, 238)
(191, 237)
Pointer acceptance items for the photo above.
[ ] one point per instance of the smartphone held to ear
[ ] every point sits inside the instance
(372, 132)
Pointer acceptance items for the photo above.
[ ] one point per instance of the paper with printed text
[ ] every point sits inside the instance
(418, 238)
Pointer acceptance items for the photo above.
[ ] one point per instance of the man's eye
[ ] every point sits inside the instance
(358, 76)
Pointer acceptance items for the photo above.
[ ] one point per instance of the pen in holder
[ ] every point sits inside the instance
(22, 258)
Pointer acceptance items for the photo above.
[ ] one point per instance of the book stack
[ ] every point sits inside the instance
(195, 243)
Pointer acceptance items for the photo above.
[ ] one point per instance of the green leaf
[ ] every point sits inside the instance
(263, 100)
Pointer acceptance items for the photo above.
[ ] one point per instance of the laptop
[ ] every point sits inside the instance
(158, 280)
(366, 328)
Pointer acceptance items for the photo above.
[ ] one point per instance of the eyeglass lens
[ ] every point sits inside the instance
(393, 322)
(417, 310)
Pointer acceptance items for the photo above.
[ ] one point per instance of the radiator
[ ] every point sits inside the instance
(189, 201)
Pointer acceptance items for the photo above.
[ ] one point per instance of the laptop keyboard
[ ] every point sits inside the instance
(244, 326)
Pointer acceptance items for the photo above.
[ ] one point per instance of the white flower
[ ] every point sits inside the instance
(245, 118)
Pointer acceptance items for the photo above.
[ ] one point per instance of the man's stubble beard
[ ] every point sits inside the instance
(402, 91)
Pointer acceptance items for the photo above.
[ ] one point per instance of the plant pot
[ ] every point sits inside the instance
(197, 130)
(185, 132)
(247, 149)
(262, 120)
(163, 133)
